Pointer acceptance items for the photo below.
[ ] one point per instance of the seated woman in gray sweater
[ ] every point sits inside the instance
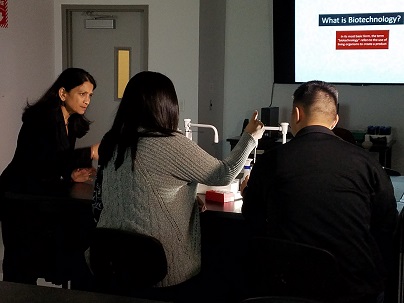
(148, 173)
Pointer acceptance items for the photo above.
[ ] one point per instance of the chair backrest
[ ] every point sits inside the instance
(125, 261)
(391, 172)
(279, 267)
(46, 235)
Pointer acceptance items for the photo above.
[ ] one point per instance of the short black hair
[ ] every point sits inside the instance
(315, 96)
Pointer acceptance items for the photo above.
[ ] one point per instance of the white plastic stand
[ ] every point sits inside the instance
(188, 130)
(282, 128)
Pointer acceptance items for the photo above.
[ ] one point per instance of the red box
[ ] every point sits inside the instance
(219, 196)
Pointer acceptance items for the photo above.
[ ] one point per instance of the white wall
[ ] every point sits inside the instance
(173, 44)
(361, 106)
(31, 55)
(26, 63)
(211, 73)
(248, 81)
(248, 62)
(31, 58)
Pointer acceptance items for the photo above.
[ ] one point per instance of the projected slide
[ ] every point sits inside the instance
(360, 41)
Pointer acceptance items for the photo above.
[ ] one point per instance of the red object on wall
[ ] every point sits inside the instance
(3, 14)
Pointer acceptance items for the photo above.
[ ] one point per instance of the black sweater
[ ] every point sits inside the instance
(45, 155)
(323, 191)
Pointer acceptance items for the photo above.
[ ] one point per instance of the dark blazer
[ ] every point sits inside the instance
(320, 190)
(45, 155)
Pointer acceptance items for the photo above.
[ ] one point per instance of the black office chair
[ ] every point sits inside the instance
(125, 262)
(45, 237)
(278, 300)
(283, 268)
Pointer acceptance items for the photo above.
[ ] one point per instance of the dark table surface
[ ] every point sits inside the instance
(85, 191)
(23, 293)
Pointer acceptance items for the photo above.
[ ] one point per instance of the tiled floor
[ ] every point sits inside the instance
(41, 282)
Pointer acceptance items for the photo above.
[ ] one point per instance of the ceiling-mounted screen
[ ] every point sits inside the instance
(344, 41)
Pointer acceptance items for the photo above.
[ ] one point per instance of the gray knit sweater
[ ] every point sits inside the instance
(158, 197)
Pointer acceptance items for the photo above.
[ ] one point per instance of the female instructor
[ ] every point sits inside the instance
(45, 160)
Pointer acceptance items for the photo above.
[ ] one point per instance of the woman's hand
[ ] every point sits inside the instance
(83, 174)
(243, 184)
(201, 204)
(94, 151)
(255, 127)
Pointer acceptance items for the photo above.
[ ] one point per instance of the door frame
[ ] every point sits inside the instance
(67, 11)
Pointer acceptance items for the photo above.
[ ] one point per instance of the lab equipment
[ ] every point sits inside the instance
(188, 130)
(282, 128)
(247, 169)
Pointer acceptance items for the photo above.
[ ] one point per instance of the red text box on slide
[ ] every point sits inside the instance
(375, 39)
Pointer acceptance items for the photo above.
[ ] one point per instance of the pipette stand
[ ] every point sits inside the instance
(282, 128)
(188, 130)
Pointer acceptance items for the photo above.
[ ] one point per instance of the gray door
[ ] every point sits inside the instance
(94, 49)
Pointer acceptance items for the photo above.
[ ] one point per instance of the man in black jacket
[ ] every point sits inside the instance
(320, 190)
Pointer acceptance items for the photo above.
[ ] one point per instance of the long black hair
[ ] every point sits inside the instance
(50, 102)
(149, 108)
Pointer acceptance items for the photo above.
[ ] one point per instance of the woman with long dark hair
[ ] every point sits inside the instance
(149, 171)
(45, 160)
